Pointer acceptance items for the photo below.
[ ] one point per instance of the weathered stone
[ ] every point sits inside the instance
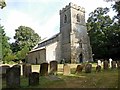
(53, 67)
(3, 71)
(105, 65)
(113, 64)
(88, 68)
(79, 69)
(13, 77)
(34, 78)
(110, 62)
(99, 62)
(44, 69)
(98, 68)
(118, 64)
(26, 69)
(66, 69)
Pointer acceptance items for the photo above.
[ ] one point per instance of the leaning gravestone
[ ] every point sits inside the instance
(118, 64)
(53, 67)
(34, 78)
(26, 70)
(3, 71)
(66, 69)
(44, 69)
(98, 68)
(88, 68)
(79, 69)
(105, 65)
(113, 64)
(13, 77)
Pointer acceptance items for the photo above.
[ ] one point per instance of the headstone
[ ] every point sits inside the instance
(99, 63)
(110, 62)
(79, 69)
(66, 69)
(34, 78)
(113, 64)
(118, 64)
(88, 68)
(53, 67)
(98, 68)
(105, 65)
(3, 71)
(26, 69)
(13, 77)
(44, 69)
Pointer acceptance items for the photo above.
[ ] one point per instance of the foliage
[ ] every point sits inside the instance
(25, 40)
(6, 53)
(104, 34)
(2, 4)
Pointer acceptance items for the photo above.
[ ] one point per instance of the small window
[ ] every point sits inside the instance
(65, 19)
(78, 18)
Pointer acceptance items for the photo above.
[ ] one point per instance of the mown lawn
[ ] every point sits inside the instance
(104, 79)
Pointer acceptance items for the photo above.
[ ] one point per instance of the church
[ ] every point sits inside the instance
(71, 44)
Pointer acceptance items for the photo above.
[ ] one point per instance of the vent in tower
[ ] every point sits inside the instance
(65, 19)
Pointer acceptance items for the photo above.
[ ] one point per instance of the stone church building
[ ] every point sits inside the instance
(71, 44)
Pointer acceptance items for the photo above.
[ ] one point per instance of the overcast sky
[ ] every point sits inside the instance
(41, 15)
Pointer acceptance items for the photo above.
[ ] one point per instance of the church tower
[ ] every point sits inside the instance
(75, 43)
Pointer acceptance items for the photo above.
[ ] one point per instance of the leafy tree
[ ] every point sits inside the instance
(6, 54)
(98, 25)
(2, 4)
(25, 40)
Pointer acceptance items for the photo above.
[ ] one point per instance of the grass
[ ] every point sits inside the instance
(104, 79)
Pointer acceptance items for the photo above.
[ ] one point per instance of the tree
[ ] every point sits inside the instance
(25, 40)
(2, 4)
(6, 54)
(98, 25)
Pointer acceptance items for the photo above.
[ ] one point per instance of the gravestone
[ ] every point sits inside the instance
(44, 69)
(33, 78)
(118, 64)
(13, 77)
(110, 62)
(105, 65)
(53, 67)
(79, 69)
(98, 68)
(26, 70)
(66, 69)
(3, 71)
(88, 68)
(99, 62)
(113, 64)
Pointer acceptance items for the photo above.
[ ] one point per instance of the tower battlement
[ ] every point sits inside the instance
(71, 5)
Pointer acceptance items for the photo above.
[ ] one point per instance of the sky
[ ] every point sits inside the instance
(41, 15)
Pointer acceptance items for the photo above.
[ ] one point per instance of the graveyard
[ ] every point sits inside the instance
(62, 76)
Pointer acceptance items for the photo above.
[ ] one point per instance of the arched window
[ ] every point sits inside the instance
(65, 19)
(78, 18)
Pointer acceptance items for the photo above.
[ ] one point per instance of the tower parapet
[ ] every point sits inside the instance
(71, 5)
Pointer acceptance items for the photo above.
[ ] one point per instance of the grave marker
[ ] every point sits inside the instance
(53, 67)
(66, 69)
(113, 64)
(26, 69)
(34, 78)
(88, 68)
(105, 65)
(79, 69)
(44, 69)
(98, 68)
(13, 77)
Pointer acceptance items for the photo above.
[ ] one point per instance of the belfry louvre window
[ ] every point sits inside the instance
(78, 18)
(65, 19)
